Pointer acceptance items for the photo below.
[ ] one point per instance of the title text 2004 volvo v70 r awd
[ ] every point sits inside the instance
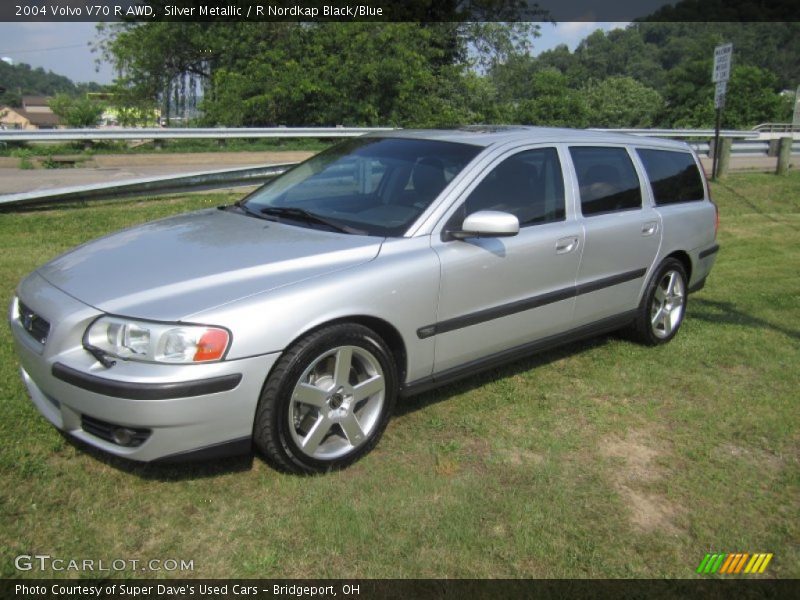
(381, 267)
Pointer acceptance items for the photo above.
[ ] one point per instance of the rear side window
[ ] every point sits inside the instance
(607, 180)
(673, 176)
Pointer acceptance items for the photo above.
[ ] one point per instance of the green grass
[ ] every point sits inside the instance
(600, 459)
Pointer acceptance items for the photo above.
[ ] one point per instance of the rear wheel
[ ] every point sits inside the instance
(327, 400)
(663, 306)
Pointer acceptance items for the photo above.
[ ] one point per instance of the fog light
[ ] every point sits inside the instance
(123, 436)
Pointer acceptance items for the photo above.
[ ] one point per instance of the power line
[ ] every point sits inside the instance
(43, 49)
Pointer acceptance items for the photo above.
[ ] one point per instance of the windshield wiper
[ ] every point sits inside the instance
(239, 205)
(303, 215)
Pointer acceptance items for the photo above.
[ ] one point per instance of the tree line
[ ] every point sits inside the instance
(649, 74)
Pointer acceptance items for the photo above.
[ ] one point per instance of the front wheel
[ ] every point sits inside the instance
(663, 306)
(327, 400)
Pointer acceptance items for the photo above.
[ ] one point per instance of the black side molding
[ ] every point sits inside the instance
(494, 360)
(145, 391)
(235, 447)
(511, 308)
(709, 251)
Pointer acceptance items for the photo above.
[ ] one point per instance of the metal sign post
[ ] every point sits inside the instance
(720, 75)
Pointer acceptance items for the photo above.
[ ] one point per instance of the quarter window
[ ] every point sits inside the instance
(673, 176)
(529, 185)
(607, 180)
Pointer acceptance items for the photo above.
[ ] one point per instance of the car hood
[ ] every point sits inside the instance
(175, 267)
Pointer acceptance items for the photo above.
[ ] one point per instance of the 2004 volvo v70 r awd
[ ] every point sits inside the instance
(381, 267)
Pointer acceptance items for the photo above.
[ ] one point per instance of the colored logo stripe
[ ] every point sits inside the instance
(734, 563)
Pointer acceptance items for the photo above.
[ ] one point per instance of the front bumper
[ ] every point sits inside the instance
(178, 409)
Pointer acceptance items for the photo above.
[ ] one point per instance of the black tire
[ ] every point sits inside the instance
(643, 329)
(279, 431)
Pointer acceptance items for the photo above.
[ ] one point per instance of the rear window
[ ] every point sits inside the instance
(674, 176)
(607, 180)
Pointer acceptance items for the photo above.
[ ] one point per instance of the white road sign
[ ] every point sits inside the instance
(723, 56)
(719, 94)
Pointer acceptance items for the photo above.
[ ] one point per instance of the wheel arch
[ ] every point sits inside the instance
(685, 260)
(385, 330)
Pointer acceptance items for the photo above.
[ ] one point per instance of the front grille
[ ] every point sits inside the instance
(105, 431)
(36, 326)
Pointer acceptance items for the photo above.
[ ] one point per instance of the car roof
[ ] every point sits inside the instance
(488, 135)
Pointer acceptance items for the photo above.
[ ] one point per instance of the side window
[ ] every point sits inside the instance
(529, 185)
(673, 176)
(607, 180)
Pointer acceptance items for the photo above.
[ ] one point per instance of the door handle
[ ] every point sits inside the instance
(649, 228)
(566, 245)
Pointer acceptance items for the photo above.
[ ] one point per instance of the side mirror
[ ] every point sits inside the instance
(486, 223)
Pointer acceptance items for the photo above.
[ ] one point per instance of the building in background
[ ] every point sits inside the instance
(35, 113)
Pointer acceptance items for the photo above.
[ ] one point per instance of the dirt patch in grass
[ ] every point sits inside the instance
(761, 459)
(636, 470)
(520, 457)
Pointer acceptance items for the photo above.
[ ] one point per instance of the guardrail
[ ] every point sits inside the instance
(687, 134)
(744, 148)
(119, 134)
(776, 127)
(222, 133)
(165, 184)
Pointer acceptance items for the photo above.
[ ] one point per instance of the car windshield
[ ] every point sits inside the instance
(371, 186)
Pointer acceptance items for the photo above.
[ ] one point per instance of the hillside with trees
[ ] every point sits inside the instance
(668, 71)
(23, 80)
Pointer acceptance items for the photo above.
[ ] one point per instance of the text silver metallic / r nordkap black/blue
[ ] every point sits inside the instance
(389, 264)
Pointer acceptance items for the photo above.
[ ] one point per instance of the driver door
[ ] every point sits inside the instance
(499, 293)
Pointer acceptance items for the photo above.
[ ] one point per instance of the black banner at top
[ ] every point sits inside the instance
(392, 10)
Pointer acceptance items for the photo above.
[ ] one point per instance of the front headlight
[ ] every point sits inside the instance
(156, 342)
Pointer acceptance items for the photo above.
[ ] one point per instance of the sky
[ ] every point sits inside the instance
(65, 48)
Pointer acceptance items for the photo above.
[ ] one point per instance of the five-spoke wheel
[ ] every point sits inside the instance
(666, 309)
(664, 304)
(337, 402)
(327, 400)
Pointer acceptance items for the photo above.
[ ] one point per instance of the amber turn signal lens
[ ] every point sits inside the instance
(211, 345)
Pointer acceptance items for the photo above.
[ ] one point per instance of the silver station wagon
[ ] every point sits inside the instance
(294, 319)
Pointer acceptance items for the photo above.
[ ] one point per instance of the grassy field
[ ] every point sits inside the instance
(601, 459)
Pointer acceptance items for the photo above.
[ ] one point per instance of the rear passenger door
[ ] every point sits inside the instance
(622, 232)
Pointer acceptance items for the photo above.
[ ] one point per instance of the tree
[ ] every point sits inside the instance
(622, 102)
(312, 73)
(354, 74)
(752, 98)
(76, 112)
(549, 101)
